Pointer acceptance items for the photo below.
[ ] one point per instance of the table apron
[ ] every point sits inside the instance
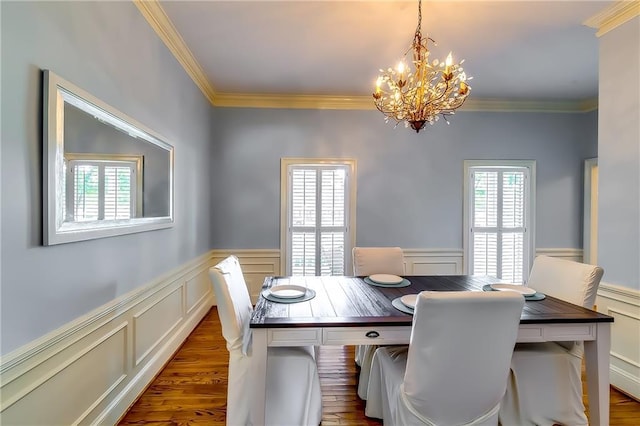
(363, 335)
(528, 333)
(366, 335)
(299, 336)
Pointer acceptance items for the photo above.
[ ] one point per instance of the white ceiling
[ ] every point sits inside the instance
(515, 50)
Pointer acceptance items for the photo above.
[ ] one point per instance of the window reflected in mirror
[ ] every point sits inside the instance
(102, 187)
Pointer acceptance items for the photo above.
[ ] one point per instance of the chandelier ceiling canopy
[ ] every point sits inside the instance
(424, 91)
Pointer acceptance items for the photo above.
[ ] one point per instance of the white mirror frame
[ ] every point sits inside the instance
(56, 230)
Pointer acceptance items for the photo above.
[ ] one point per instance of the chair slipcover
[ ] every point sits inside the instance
(545, 384)
(368, 261)
(378, 260)
(293, 386)
(455, 369)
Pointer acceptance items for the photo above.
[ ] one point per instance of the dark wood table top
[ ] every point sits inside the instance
(349, 301)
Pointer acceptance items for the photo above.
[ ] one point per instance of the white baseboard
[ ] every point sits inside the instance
(92, 369)
(625, 382)
(623, 304)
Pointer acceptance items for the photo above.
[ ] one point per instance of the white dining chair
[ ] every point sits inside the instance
(455, 369)
(545, 384)
(293, 386)
(369, 261)
(378, 260)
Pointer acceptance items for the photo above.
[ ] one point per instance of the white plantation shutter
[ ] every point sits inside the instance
(498, 231)
(101, 190)
(86, 200)
(303, 199)
(317, 219)
(513, 225)
(333, 197)
(485, 253)
(332, 253)
(303, 219)
(303, 253)
(118, 201)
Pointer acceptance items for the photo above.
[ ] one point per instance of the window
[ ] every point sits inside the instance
(102, 187)
(317, 216)
(498, 215)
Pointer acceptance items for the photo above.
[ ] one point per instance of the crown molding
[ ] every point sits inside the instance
(613, 16)
(254, 100)
(162, 25)
(251, 100)
(506, 105)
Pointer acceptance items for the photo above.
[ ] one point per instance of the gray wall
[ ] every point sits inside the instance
(227, 165)
(409, 185)
(108, 49)
(619, 159)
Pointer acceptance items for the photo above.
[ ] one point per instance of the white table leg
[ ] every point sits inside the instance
(597, 368)
(259, 376)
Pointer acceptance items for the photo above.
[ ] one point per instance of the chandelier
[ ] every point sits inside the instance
(426, 92)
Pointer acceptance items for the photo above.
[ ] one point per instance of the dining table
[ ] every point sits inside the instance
(343, 310)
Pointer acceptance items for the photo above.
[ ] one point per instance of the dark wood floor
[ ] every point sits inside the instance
(192, 387)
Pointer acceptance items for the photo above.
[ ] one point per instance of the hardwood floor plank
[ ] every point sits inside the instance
(192, 388)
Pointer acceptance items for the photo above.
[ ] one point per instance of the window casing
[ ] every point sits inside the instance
(499, 218)
(317, 216)
(102, 187)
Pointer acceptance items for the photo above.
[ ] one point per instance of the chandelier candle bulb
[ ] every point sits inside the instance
(378, 84)
(425, 93)
(449, 61)
(447, 68)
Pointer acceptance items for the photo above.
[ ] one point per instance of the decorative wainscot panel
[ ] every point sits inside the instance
(623, 304)
(432, 261)
(92, 369)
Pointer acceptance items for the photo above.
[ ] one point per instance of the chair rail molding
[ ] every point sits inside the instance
(574, 254)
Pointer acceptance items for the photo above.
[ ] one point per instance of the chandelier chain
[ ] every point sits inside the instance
(418, 35)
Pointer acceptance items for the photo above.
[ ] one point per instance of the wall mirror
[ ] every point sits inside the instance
(105, 174)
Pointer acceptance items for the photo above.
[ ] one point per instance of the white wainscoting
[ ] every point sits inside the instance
(450, 261)
(623, 304)
(258, 264)
(92, 369)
